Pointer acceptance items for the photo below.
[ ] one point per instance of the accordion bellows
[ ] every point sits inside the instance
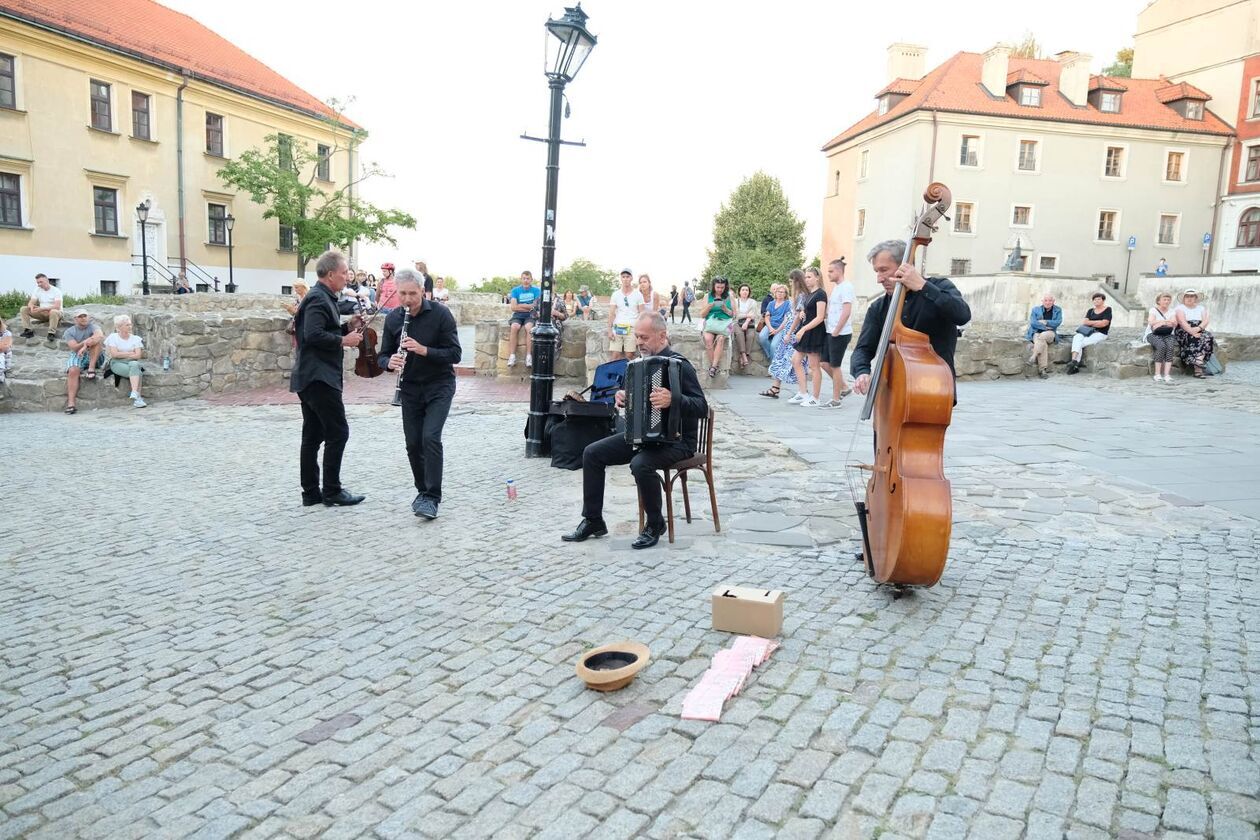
(646, 424)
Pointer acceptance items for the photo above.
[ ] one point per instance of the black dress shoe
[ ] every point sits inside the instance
(342, 499)
(649, 537)
(309, 499)
(27, 334)
(586, 529)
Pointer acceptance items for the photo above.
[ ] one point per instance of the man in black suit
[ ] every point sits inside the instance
(427, 356)
(316, 379)
(652, 339)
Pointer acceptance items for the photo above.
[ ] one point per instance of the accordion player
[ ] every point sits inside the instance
(646, 424)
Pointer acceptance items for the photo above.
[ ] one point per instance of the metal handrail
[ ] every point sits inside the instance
(161, 271)
(206, 277)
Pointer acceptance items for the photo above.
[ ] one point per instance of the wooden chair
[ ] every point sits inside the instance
(702, 462)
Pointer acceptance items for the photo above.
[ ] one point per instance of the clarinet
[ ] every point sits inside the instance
(401, 335)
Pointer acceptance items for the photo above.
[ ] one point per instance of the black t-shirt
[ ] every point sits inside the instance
(811, 305)
(1105, 315)
(765, 303)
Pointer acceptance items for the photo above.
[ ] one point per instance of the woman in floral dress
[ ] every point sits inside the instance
(781, 367)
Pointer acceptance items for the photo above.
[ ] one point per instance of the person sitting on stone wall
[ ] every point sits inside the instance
(125, 352)
(1160, 323)
(1042, 323)
(1093, 330)
(85, 339)
(44, 305)
(1195, 345)
(6, 353)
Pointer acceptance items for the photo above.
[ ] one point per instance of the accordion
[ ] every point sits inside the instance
(646, 424)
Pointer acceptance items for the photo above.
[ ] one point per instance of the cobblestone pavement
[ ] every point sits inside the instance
(187, 652)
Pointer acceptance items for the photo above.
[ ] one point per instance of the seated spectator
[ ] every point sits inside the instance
(522, 302)
(125, 352)
(299, 291)
(1195, 345)
(440, 293)
(1042, 323)
(181, 285)
(44, 305)
(717, 310)
(564, 307)
(747, 314)
(775, 326)
(6, 352)
(85, 339)
(586, 303)
(1093, 330)
(1160, 323)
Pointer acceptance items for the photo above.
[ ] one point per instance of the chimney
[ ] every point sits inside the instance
(994, 69)
(1074, 76)
(905, 61)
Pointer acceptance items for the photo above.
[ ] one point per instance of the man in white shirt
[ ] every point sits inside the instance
(624, 307)
(839, 330)
(44, 305)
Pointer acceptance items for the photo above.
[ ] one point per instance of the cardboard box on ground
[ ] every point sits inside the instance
(747, 610)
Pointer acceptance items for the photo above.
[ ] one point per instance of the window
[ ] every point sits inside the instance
(323, 167)
(8, 81)
(286, 290)
(957, 268)
(1109, 103)
(102, 114)
(1107, 225)
(1253, 164)
(286, 237)
(1255, 98)
(861, 224)
(1048, 262)
(1194, 109)
(214, 134)
(1173, 164)
(883, 105)
(10, 199)
(284, 149)
(140, 116)
(218, 233)
(962, 217)
(1028, 155)
(109, 287)
(1030, 95)
(866, 162)
(1021, 215)
(1113, 165)
(969, 152)
(1249, 228)
(105, 209)
(1168, 224)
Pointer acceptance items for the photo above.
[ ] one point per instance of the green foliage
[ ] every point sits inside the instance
(1027, 47)
(583, 272)
(451, 284)
(1123, 66)
(499, 285)
(11, 302)
(757, 239)
(281, 177)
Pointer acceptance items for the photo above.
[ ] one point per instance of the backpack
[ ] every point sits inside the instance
(689, 296)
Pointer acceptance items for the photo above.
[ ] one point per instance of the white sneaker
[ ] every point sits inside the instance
(529, 360)
(1168, 378)
(797, 399)
(1158, 378)
(512, 360)
(133, 396)
(139, 403)
(809, 402)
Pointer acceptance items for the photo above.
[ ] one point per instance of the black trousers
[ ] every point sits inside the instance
(323, 421)
(686, 312)
(644, 463)
(424, 410)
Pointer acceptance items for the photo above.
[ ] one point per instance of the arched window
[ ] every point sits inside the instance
(1249, 228)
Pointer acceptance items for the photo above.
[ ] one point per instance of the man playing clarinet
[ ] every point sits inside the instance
(652, 339)
(425, 360)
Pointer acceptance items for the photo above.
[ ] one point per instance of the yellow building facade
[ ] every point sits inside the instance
(90, 129)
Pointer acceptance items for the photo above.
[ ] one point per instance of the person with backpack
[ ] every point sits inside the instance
(688, 298)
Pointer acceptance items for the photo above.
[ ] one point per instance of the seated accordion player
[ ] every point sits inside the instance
(646, 424)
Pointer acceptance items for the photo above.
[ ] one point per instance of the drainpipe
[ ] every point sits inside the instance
(179, 168)
(931, 173)
(354, 259)
(1216, 205)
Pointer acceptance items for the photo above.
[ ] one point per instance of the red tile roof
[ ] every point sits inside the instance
(157, 35)
(899, 86)
(954, 87)
(1106, 83)
(1024, 76)
(1185, 90)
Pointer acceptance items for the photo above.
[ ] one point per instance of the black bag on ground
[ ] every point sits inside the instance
(576, 426)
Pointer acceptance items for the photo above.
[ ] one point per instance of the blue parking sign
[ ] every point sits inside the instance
(1132, 242)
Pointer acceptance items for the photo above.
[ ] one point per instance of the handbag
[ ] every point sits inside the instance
(716, 326)
(1086, 331)
(1164, 330)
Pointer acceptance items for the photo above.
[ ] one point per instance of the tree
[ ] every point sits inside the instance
(281, 177)
(498, 285)
(1027, 47)
(1123, 66)
(583, 272)
(757, 239)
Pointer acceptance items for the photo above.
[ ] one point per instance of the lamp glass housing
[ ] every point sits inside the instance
(568, 44)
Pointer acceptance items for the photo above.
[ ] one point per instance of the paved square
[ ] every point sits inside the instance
(188, 652)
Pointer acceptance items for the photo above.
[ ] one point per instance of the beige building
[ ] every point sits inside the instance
(1215, 46)
(137, 103)
(1041, 155)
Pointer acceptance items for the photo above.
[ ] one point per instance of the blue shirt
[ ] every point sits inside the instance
(523, 295)
(777, 311)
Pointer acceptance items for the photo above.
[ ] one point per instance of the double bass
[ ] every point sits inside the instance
(907, 513)
(366, 364)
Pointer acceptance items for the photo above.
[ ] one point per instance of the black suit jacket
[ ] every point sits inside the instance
(694, 406)
(434, 327)
(937, 309)
(318, 330)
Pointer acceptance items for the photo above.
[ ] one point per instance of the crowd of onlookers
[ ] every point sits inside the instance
(1180, 331)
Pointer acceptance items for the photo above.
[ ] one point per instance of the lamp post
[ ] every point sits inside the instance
(568, 43)
(230, 222)
(142, 215)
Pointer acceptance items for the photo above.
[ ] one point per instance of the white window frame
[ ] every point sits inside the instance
(113, 106)
(227, 211)
(1124, 162)
(859, 223)
(1202, 107)
(23, 172)
(1115, 227)
(958, 164)
(1242, 162)
(1019, 141)
(1040, 270)
(1185, 166)
(1032, 210)
(1026, 89)
(1102, 96)
(1254, 90)
(968, 260)
(1176, 243)
(884, 107)
(19, 99)
(864, 164)
(953, 226)
(152, 138)
(225, 152)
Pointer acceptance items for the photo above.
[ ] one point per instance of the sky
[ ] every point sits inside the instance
(678, 103)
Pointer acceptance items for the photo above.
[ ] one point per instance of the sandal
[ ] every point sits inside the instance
(712, 371)
(772, 392)
(91, 374)
(71, 409)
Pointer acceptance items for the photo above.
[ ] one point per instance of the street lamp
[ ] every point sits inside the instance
(568, 43)
(142, 214)
(230, 222)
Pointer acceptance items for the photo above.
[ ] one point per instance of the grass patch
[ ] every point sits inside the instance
(11, 302)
